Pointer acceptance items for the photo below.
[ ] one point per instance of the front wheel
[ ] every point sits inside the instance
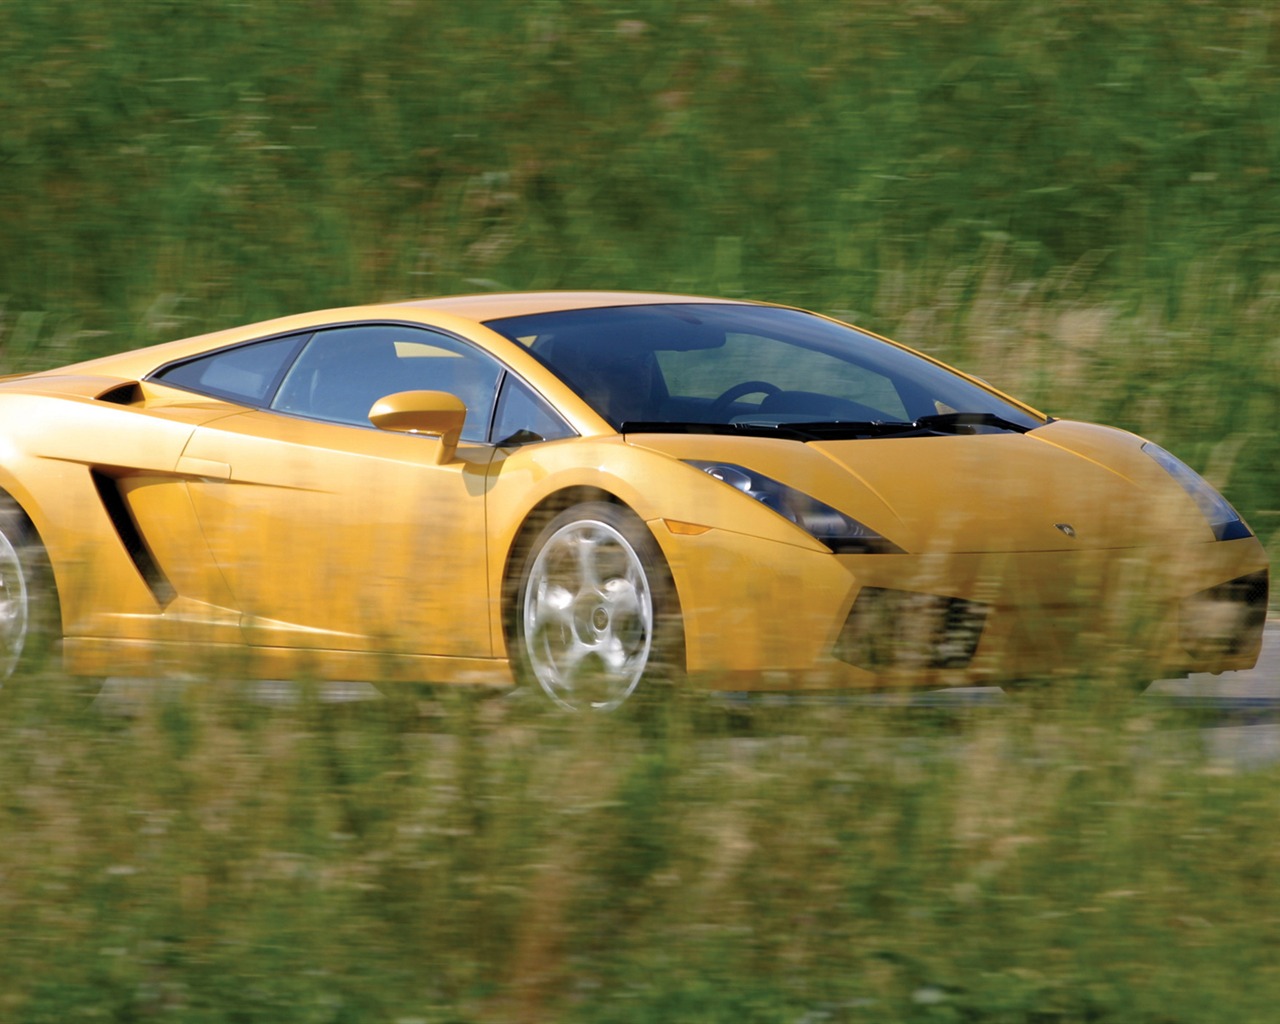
(595, 613)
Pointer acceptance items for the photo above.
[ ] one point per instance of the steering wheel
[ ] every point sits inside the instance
(720, 405)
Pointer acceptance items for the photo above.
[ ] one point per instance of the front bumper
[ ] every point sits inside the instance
(764, 615)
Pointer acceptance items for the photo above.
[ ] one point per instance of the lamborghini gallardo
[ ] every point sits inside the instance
(591, 494)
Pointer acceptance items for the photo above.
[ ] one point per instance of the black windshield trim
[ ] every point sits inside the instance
(941, 425)
(955, 422)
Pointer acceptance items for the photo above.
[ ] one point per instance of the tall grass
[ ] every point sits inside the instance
(208, 859)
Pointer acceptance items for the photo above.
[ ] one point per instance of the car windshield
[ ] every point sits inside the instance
(718, 367)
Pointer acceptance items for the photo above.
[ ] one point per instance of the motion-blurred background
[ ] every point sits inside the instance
(1076, 199)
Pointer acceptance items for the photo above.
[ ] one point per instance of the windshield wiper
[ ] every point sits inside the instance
(957, 421)
(788, 431)
(938, 423)
(817, 430)
(833, 430)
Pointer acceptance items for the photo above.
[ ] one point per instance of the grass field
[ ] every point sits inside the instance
(1075, 200)
(212, 859)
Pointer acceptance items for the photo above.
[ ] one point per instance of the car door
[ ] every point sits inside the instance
(335, 535)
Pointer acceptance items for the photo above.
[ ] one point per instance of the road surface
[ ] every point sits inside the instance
(1239, 711)
(1242, 708)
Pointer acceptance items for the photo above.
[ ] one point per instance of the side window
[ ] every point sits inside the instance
(243, 374)
(523, 417)
(342, 372)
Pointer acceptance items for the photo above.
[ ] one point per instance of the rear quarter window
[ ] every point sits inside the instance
(246, 374)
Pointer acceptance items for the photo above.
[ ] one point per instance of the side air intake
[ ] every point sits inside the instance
(125, 525)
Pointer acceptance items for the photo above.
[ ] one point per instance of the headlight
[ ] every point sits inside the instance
(839, 532)
(1224, 520)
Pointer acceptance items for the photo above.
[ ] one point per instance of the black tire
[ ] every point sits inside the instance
(595, 614)
(30, 620)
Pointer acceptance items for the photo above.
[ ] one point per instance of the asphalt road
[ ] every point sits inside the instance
(1260, 684)
(1241, 709)
(1238, 712)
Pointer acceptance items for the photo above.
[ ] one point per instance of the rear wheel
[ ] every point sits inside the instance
(29, 617)
(595, 612)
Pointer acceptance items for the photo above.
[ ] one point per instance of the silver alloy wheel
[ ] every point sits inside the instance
(588, 616)
(15, 612)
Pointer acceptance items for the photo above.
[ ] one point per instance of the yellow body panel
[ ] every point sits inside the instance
(354, 539)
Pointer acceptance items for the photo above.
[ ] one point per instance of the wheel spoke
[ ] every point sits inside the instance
(614, 655)
(587, 548)
(552, 603)
(567, 659)
(622, 597)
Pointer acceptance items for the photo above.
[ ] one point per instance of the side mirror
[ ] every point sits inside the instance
(433, 413)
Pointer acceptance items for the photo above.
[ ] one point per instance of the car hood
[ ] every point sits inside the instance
(1063, 486)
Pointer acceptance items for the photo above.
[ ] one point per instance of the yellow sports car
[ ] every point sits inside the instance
(590, 491)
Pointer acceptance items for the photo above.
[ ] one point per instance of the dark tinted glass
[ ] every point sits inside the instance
(523, 417)
(342, 372)
(244, 374)
(733, 364)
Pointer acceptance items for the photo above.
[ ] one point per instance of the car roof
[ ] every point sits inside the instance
(494, 306)
(474, 308)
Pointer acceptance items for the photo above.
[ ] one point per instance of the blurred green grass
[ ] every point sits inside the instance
(1077, 201)
(1066, 857)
